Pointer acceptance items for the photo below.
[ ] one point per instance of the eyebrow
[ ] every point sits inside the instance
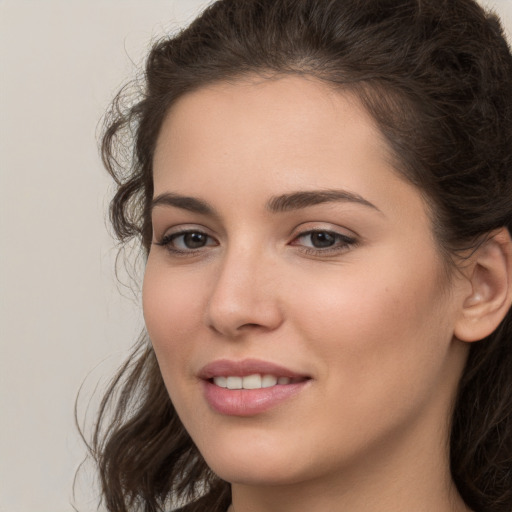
(278, 204)
(303, 199)
(191, 204)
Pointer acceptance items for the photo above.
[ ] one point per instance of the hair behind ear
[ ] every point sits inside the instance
(480, 444)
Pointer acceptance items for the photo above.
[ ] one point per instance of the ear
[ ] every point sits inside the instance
(490, 276)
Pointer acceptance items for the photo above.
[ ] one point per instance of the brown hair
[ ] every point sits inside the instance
(436, 75)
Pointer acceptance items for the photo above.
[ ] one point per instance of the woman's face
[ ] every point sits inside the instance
(288, 256)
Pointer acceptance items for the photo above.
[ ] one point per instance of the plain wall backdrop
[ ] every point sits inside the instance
(64, 318)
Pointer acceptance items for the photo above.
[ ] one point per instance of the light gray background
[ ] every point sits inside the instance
(64, 319)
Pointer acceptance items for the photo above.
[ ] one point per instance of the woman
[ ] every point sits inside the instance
(323, 192)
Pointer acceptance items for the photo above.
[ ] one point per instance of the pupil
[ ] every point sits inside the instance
(322, 239)
(194, 240)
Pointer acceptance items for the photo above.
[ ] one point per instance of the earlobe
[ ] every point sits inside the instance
(490, 276)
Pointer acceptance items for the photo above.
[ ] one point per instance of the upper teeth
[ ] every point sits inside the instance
(255, 381)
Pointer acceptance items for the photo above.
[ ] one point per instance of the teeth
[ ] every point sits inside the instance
(222, 382)
(252, 382)
(267, 381)
(234, 383)
(255, 381)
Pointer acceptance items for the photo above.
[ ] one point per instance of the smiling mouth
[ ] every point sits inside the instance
(249, 387)
(251, 394)
(254, 381)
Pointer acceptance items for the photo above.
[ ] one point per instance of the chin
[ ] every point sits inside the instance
(253, 461)
(256, 472)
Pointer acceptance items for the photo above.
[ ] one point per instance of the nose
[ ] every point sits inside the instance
(244, 297)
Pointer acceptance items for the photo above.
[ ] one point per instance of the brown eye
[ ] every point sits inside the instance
(187, 241)
(321, 239)
(194, 240)
(324, 242)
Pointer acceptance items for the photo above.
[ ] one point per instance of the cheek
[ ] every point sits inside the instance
(365, 302)
(380, 347)
(384, 327)
(172, 305)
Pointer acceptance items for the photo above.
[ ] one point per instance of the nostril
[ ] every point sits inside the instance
(249, 326)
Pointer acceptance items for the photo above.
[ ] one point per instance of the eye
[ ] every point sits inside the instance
(319, 239)
(323, 241)
(188, 241)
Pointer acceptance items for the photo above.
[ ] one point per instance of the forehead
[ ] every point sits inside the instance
(282, 124)
(240, 143)
(298, 101)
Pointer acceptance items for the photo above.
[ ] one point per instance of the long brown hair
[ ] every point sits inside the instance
(436, 75)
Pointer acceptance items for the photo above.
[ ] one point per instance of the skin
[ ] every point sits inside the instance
(371, 322)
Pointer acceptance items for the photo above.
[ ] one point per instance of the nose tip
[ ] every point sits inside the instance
(234, 324)
(243, 300)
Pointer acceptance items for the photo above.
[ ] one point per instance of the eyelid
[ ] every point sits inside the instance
(346, 238)
(170, 234)
(308, 227)
(173, 236)
(177, 229)
(344, 241)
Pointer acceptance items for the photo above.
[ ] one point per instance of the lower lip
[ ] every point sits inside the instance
(249, 402)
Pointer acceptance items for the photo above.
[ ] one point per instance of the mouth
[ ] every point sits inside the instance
(254, 381)
(249, 387)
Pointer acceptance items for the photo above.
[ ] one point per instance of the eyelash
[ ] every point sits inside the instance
(342, 243)
(167, 241)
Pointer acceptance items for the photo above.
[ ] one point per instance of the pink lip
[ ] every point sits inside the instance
(248, 402)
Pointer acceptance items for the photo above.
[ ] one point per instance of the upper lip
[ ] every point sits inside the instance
(226, 367)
